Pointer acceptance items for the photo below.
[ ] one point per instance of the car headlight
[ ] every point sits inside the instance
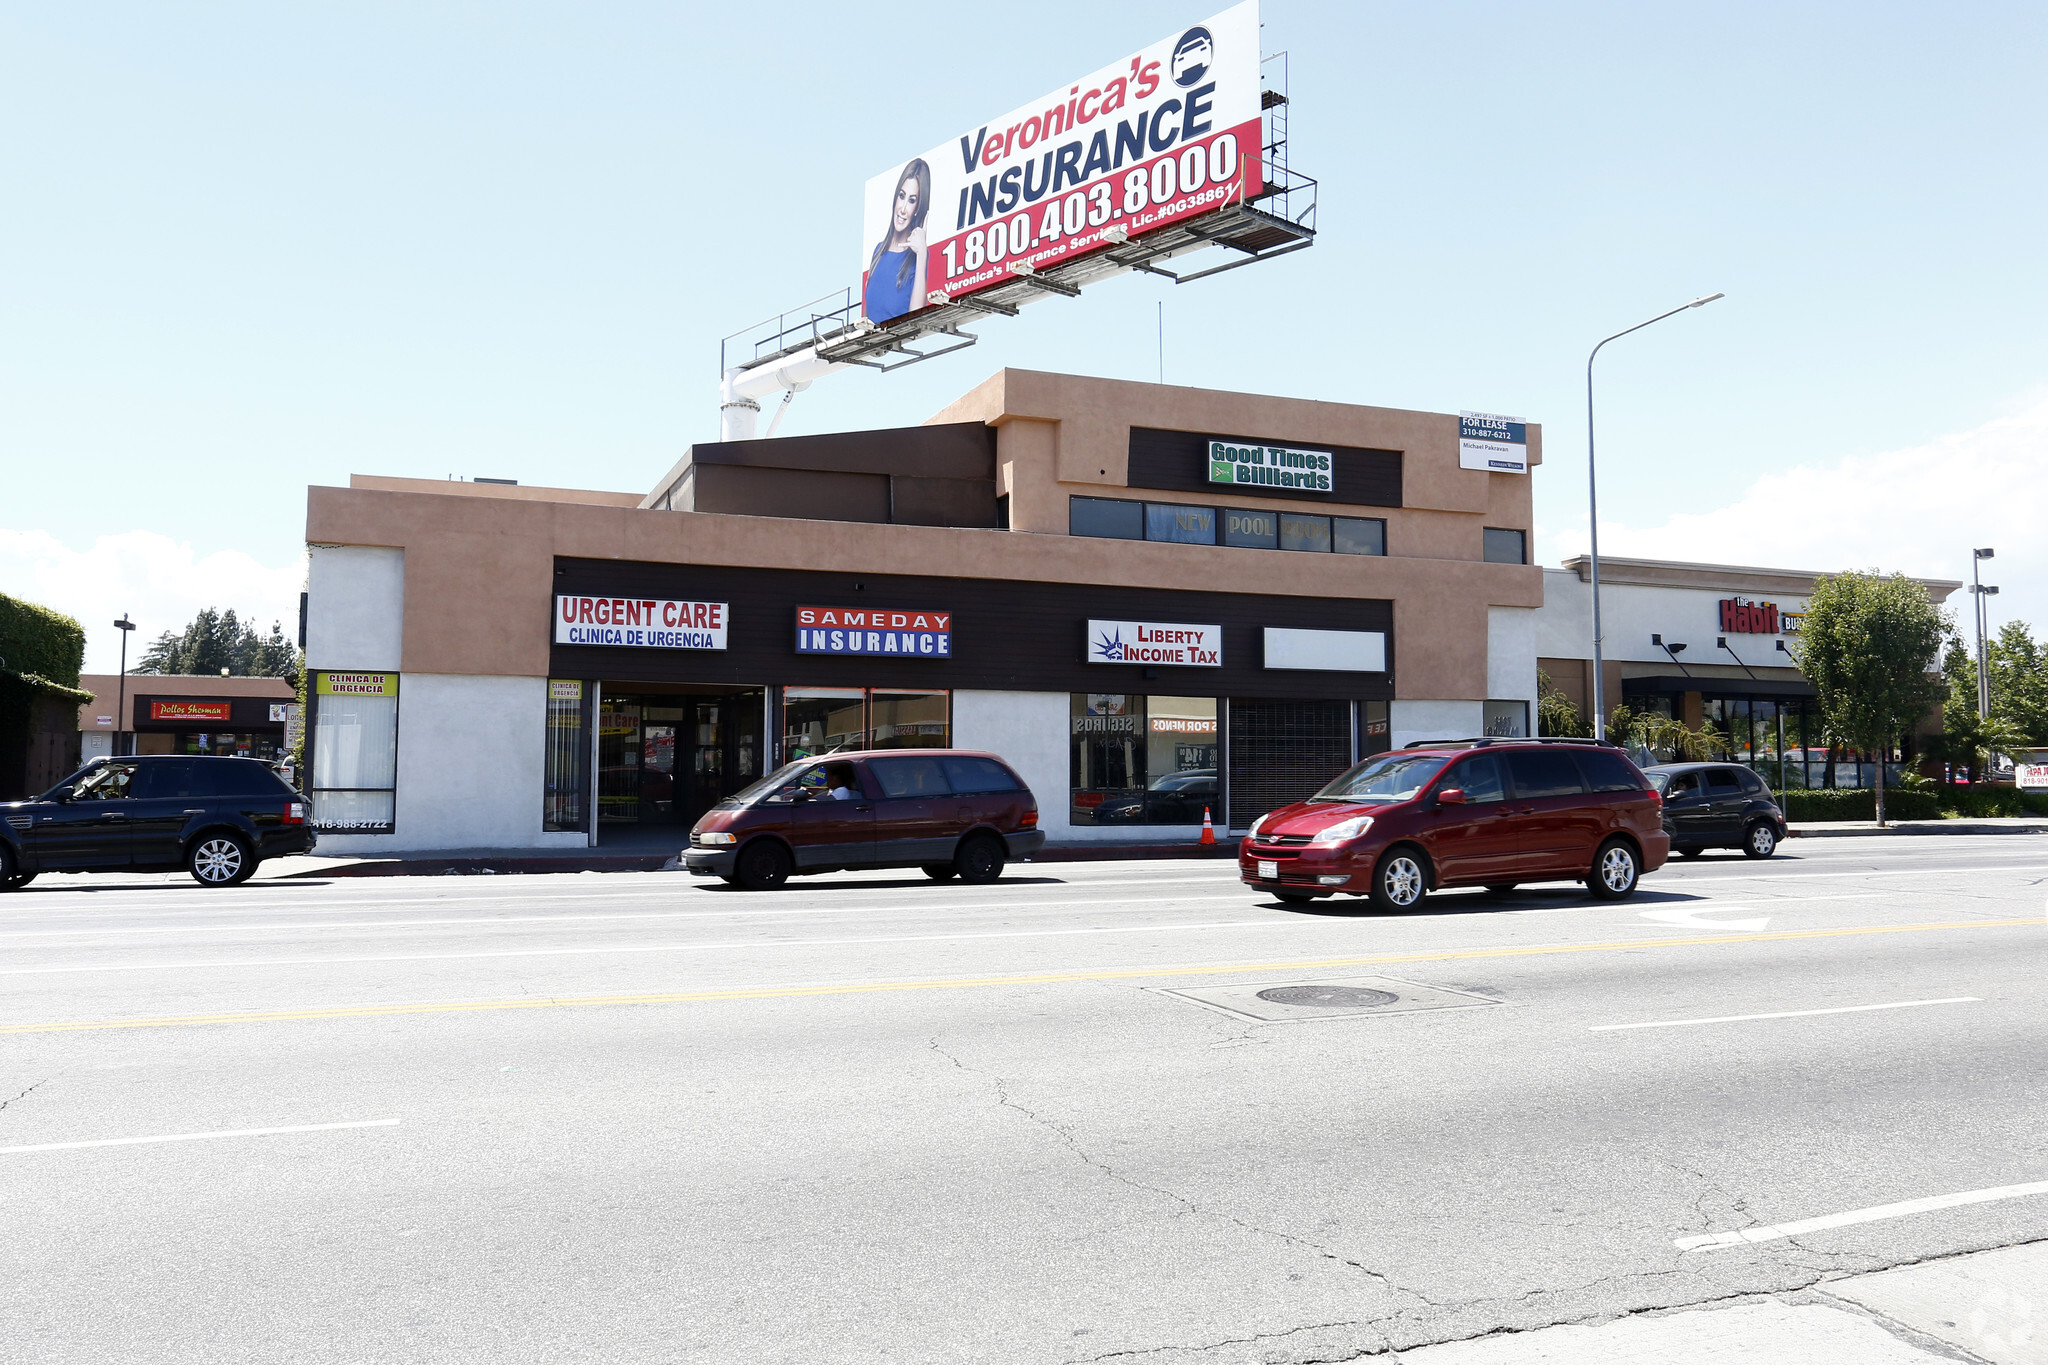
(714, 836)
(1344, 829)
(1253, 832)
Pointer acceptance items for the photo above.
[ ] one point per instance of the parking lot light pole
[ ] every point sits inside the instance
(124, 625)
(1978, 592)
(1593, 511)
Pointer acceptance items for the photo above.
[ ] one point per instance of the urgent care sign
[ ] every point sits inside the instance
(643, 622)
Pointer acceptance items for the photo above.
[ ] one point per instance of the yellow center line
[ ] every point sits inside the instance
(982, 982)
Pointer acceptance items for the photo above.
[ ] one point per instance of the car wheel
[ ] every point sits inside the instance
(940, 872)
(1688, 852)
(1399, 882)
(9, 878)
(979, 861)
(17, 881)
(220, 860)
(1502, 889)
(763, 865)
(1614, 871)
(1761, 841)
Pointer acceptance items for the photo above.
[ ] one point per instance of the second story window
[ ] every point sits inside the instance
(1506, 547)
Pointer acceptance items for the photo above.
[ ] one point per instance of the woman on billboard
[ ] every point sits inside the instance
(895, 282)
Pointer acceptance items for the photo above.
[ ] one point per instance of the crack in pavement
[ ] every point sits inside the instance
(30, 1091)
(1236, 1341)
(1067, 1138)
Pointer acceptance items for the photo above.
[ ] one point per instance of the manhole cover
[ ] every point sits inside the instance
(1329, 997)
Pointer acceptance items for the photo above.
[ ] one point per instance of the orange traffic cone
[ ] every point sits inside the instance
(1208, 830)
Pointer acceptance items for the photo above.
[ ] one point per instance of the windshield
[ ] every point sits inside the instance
(785, 774)
(1388, 778)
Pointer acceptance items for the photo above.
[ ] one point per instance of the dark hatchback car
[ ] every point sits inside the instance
(1718, 805)
(215, 817)
(1482, 812)
(951, 812)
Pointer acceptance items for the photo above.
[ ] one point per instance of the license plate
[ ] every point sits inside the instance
(1268, 869)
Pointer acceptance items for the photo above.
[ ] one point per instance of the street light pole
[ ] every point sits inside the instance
(1978, 592)
(124, 625)
(1593, 512)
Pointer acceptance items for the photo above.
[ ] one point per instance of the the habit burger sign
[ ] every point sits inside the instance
(1751, 618)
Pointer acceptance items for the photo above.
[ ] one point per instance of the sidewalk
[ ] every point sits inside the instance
(1980, 1307)
(1843, 829)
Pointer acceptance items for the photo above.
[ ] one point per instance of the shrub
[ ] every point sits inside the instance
(1857, 804)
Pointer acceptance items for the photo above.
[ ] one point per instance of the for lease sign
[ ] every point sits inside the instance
(1155, 642)
(857, 630)
(1161, 136)
(642, 622)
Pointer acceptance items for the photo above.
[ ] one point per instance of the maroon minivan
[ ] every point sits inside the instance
(1479, 812)
(952, 812)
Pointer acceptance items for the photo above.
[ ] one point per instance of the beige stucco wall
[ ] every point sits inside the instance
(479, 559)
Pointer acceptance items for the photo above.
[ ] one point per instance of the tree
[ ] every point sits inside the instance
(1869, 646)
(1661, 734)
(215, 640)
(2018, 668)
(1556, 713)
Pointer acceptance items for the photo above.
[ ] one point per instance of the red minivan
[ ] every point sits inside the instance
(952, 812)
(1479, 812)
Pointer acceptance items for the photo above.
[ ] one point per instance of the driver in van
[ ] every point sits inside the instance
(839, 777)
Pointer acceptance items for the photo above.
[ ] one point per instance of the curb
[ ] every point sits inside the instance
(515, 863)
(1910, 828)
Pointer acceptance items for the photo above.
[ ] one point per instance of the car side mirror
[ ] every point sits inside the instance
(62, 796)
(1451, 796)
(799, 796)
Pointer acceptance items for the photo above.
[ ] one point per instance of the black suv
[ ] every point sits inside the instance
(1717, 805)
(215, 817)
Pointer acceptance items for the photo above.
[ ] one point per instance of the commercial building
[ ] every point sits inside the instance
(1703, 643)
(1151, 600)
(177, 713)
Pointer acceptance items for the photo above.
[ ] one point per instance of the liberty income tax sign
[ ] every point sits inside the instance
(1155, 642)
(643, 622)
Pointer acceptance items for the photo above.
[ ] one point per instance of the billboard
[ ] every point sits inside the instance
(1161, 136)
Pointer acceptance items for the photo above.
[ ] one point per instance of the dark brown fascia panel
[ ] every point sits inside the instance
(950, 450)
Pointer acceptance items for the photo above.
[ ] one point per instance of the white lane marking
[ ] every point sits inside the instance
(1887, 872)
(197, 1137)
(1870, 1215)
(692, 916)
(1792, 1014)
(628, 949)
(1688, 916)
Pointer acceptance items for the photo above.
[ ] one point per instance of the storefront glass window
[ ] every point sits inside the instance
(565, 779)
(1506, 546)
(823, 720)
(1252, 530)
(909, 720)
(1142, 760)
(1181, 525)
(1304, 533)
(355, 752)
(1106, 518)
(1358, 536)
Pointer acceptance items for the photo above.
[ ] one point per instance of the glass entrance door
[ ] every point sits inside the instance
(666, 758)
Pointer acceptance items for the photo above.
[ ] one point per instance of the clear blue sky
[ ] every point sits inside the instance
(252, 247)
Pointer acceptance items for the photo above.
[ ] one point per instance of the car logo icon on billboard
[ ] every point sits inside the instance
(1192, 57)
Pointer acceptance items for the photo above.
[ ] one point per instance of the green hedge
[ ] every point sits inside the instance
(39, 642)
(1934, 803)
(1857, 804)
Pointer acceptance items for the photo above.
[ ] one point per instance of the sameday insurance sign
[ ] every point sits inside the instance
(1161, 136)
(646, 622)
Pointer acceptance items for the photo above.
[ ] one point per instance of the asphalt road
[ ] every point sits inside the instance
(646, 1118)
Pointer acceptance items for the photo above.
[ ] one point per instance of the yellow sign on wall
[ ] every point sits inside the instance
(357, 684)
